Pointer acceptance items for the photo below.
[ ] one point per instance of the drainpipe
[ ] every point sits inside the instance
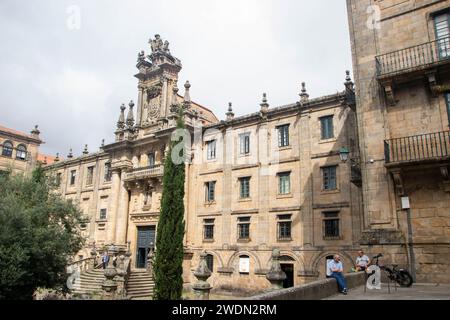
(406, 206)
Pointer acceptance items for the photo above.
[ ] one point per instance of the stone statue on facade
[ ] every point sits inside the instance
(156, 44)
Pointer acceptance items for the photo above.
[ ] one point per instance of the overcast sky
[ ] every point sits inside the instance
(71, 78)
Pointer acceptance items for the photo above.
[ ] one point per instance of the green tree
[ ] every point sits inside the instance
(38, 235)
(168, 265)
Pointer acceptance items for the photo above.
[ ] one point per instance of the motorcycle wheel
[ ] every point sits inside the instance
(404, 279)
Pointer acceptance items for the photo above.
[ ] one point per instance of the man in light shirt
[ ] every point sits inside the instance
(335, 270)
(362, 261)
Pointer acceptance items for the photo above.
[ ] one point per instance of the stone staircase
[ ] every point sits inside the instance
(89, 282)
(140, 284)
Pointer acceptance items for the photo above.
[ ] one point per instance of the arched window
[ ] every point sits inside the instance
(21, 153)
(7, 149)
(210, 262)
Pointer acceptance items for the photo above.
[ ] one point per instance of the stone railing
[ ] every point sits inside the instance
(144, 173)
(82, 265)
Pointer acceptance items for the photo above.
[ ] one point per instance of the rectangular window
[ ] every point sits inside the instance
(58, 179)
(151, 159)
(329, 178)
(244, 228)
(284, 227)
(331, 225)
(102, 214)
(244, 143)
(442, 27)
(211, 149)
(327, 129)
(208, 229)
(244, 192)
(73, 176)
(90, 176)
(284, 183)
(283, 135)
(447, 101)
(107, 172)
(210, 191)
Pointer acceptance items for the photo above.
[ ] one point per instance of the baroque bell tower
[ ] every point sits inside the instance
(158, 76)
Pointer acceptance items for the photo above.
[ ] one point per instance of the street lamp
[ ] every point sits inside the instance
(343, 154)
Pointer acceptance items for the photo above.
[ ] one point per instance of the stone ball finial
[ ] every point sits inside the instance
(122, 107)
(131, 104)
(175, 89)
(230, 106)
(70, 155)
(85, 151)
(187, 85)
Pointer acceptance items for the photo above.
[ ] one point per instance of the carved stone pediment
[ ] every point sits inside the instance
(154, 91)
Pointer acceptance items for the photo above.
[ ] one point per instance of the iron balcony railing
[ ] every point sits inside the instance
(146, 172)
(431, 146)
(413, 57)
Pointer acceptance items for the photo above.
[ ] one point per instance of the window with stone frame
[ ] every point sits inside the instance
(285, 227)
(21, 152)
(284, 183)
(102, 214)
(58, 179)
(151, 159)
(327, 127)
(211, 149)
(442, 29)
(210, 191)
(7, 149)
(244, 144)
(107, 176)
(73, 176)
(283, 135)
(244, 188)
(331, 225)
(208, 229)
(90, 176)
(329, 178)
(244, 228)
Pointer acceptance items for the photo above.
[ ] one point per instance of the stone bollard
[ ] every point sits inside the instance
(120, 277)
(202, 287)
(276, 276)
(109, 286)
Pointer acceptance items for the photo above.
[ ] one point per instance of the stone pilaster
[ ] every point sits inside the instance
(122, 214)
(112, 212)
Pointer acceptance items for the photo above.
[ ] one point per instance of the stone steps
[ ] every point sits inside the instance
(140, 284)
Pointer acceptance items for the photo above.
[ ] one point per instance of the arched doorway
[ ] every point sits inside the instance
(287, 265)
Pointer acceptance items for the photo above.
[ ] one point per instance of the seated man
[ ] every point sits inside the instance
(335, 270)
(362, 261)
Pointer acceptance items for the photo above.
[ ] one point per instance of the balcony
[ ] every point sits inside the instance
(145, 173)
(423, 148)
(424, 60)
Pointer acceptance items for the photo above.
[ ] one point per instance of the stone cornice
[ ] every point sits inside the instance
(78, 160)
(294, 108)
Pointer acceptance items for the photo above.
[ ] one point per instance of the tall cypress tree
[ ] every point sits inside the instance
(168, 265)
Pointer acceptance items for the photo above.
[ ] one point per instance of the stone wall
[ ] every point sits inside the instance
(315, 290)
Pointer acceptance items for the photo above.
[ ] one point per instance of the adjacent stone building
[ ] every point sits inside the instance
(401, 51)
(19, 151)
(271, 179)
